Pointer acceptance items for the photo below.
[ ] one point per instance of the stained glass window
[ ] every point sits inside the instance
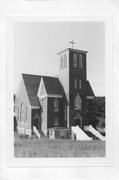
(77, 102)
(75, 60)
(79, 83)
(80, 61)
(56, 104)
(65, 113)
(75, 83)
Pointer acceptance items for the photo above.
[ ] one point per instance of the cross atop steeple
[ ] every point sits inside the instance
(72, 42)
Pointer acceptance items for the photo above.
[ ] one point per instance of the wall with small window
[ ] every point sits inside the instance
(55, 119)
(63, 73)
(22, 113)
(77, 60)
(65, 116)
(77, 66)
(23, 119)
(63, 61)
(56, 104)
(77, 84)
(23, 109)
(77, 102)
(55, 112)
(80, 61)
(59, 133)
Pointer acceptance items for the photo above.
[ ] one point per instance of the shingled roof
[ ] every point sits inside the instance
(89, 89)
(32, 83)
(52, 86)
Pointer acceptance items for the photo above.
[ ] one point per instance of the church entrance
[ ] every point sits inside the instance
(36, 118)
(78, 121)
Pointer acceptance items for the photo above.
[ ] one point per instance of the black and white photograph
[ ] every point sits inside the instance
(59, 89)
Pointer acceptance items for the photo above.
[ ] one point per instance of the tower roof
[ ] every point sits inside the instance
(75, 50)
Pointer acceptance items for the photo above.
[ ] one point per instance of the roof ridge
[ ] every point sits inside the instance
(39, 75)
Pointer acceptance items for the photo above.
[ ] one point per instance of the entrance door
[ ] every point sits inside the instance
(78, 120)
(36, 118)
(35, 122)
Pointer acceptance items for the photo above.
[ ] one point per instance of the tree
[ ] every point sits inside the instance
(99, 112)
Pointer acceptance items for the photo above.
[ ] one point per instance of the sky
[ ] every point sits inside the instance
(36, 45)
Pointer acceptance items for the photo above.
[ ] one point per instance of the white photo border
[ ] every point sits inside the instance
(61, 162)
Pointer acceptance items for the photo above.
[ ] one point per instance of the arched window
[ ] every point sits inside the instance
(75, 83)
(77, 102)
(65, 113)
(21, 112)
(80, 61)
(65, 60)
(55, 121)
(80, 85)
(56, 104)
(26, 115)
(75, 60)
(61, 62)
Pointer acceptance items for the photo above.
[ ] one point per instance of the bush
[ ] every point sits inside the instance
(23, 136)
(99, 112)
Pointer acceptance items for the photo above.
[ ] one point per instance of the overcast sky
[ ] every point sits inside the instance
(36, 45)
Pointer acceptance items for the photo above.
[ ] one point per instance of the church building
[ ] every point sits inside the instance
(51, 106)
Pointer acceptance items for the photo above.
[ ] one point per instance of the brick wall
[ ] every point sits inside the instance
(78, 73)
(52, 113)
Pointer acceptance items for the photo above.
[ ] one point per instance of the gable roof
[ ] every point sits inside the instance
(89, 89)
(32, 84)
(52, 85)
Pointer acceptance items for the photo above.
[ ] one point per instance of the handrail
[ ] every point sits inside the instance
(96, 133)
(36, 132)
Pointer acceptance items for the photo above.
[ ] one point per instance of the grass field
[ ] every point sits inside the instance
(33, 147)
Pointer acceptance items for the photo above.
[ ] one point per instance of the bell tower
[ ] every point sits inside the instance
(72, 75)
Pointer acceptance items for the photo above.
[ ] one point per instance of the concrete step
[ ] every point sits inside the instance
(90, 134)
(94, 132)
(79, 134)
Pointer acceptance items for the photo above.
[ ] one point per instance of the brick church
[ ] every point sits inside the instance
(53, 105)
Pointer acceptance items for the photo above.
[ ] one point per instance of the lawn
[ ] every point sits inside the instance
(33, 147)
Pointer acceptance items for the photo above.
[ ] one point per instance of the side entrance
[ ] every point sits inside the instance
(77, 121)
(36, 119)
